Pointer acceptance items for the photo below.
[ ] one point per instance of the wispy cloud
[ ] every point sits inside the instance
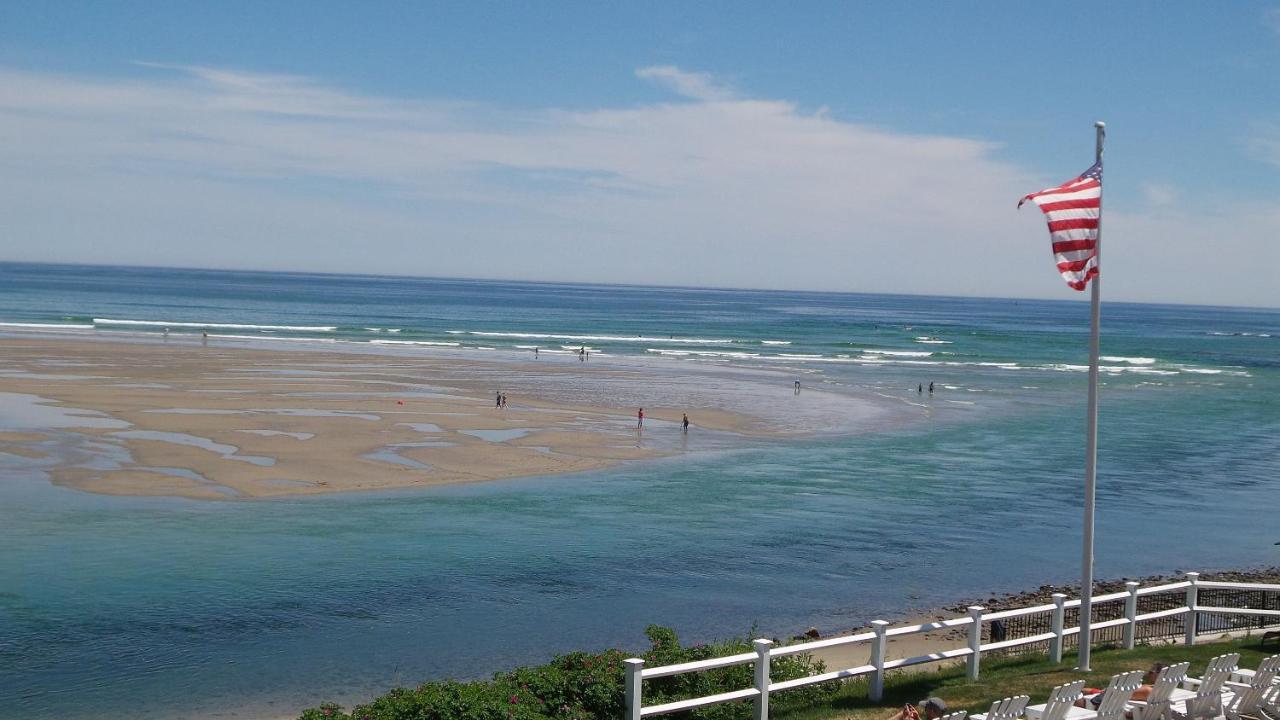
(207, 166)
(274, 94)
(1159, 194)
(694, 85)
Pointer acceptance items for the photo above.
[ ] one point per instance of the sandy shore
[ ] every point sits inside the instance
(217, 422)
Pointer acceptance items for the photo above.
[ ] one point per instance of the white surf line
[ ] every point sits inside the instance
(44, 326)
(601, 338)
(228, 326)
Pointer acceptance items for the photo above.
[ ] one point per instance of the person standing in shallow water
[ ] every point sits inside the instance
(930, 388)
(685, 423)
(640, 419)
(920, 389)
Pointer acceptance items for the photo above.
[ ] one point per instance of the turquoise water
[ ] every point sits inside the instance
(165, 608)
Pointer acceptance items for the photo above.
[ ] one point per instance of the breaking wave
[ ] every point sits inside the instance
(228, 326)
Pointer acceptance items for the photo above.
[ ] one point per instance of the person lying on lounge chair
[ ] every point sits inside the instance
(1092, 697)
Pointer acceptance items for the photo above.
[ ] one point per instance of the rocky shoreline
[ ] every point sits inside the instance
(1043, 595)
(927, 642)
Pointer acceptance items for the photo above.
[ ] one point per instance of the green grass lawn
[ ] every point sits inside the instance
(1030, 675)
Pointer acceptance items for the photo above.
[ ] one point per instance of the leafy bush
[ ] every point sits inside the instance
(587, 686)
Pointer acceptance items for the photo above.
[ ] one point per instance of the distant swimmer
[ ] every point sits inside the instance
(930, 388)
(640, 419)
(797, 387)
(535, 352)
(920, 389)
(685, 423)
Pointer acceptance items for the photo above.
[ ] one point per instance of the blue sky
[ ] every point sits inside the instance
(834, 146)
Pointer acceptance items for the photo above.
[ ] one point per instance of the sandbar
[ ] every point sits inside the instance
(236, 422)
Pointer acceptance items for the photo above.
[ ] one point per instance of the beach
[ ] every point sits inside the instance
(217, 420)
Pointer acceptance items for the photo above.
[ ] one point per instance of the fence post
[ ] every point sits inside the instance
(634, 695)
(1059, 615)
(1131, 614)
(975, 640)
(1193, 598)
(762, 677)
(877, 659)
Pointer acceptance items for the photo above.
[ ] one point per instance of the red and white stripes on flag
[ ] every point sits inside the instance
(1073, 210)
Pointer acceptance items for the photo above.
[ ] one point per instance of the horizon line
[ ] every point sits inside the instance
(1082, 298)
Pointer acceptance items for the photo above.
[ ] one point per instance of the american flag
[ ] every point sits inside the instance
(1072, 210)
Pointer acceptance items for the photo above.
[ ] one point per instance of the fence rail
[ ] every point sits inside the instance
(1186, 609)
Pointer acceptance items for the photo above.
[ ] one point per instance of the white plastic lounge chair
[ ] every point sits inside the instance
(1061, 700)
(1247, 703)
(1229, 663)
(957, 715)
(1157, 706)
(1206, 703)
(1010, 708)
(1266, 674)
(1270, 706)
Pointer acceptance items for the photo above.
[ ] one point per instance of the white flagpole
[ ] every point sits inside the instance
(1091, 437)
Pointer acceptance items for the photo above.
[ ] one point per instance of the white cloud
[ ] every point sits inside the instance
(698, 86)
(1202, 255)
(229, 90)
(201, 166)
(1159, 194)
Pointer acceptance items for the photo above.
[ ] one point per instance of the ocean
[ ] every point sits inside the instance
(165, 608)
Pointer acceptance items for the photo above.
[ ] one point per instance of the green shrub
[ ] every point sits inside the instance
(587, 686)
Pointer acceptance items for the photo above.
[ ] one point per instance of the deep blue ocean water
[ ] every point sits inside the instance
(158, 608)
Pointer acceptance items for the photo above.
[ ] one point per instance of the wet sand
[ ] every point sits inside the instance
(212, 422)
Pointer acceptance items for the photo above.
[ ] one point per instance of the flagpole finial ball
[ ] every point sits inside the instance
(1100, 124)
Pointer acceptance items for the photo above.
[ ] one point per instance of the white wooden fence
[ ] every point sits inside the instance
(764, 650)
